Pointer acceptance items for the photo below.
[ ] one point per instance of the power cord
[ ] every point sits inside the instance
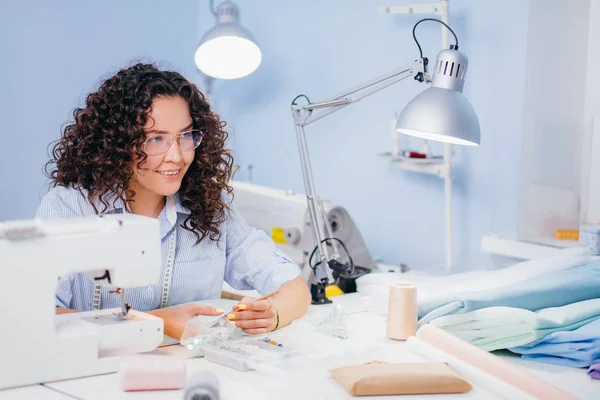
(297, 97)
(436, 20)
(326, 240)
(307, 99)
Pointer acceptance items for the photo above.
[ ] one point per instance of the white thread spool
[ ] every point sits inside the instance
(402, 311)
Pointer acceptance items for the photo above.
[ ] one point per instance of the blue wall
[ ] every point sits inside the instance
(321, 48)
(54, 53)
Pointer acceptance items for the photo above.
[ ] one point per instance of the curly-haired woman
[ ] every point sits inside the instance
(148, 143)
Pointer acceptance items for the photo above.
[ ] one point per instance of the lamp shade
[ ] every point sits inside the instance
(441, 112)
(228, 51)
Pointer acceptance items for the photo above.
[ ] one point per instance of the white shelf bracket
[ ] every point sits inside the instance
(439, 9)
(444, 170)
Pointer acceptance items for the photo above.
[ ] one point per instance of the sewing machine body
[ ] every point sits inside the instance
(39, 346)
(284, 217)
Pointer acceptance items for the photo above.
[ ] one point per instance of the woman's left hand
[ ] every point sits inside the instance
(254, 316)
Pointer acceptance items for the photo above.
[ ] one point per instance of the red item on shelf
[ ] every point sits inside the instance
(414, 154)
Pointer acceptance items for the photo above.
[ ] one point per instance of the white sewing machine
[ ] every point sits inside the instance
(284, 217)
(38, 346)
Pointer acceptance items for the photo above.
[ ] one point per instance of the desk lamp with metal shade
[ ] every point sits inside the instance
(441, 113)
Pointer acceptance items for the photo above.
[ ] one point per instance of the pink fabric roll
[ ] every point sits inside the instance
(491, 364)
(152, 372)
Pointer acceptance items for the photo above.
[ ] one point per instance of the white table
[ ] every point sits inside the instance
(33, 392)
(367, 342)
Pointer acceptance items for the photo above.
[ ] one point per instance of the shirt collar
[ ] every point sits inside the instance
(179, 206)
(169, 214)
(117, 206)
(167, 218)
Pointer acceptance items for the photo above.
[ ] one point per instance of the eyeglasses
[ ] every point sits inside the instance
(159, 144)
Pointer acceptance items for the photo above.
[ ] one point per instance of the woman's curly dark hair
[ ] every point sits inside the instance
(96, 150)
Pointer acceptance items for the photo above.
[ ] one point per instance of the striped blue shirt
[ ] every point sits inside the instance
(244, 257)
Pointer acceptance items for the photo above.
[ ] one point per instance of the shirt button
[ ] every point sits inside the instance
(150, 290)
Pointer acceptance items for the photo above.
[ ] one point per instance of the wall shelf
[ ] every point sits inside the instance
(525, 250)
(432, 166)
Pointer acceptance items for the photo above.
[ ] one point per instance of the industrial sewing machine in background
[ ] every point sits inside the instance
(38, 346)
(284, 217)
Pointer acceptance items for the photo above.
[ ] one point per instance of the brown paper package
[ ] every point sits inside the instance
(375, 379)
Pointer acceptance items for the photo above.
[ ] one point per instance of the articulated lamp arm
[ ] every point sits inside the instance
(418, 69)
(309, 113)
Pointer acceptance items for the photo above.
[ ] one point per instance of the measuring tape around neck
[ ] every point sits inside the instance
(168, 273)
(167, 277)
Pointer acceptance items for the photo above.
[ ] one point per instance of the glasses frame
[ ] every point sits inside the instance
(172, 139)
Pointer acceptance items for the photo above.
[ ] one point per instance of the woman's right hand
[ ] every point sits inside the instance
(176, 317)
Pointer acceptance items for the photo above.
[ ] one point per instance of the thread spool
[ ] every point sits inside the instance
(202, 385)
(152, 372)
(402, 311)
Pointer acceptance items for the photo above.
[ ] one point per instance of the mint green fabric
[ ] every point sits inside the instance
(495, 328)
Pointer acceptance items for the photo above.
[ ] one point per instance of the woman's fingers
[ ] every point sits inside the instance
(243, 315)
(254, 324)
(205, 310)
(254, 316)
(257, 331)
(256, 305)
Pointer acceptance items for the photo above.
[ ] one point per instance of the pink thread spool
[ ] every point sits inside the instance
(402, 311)
(152, 372)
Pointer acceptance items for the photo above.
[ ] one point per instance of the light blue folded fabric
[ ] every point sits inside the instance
(553, 289)
(579, 348)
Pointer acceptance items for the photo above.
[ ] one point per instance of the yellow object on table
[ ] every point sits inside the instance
(333, 290)
(566, 234)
